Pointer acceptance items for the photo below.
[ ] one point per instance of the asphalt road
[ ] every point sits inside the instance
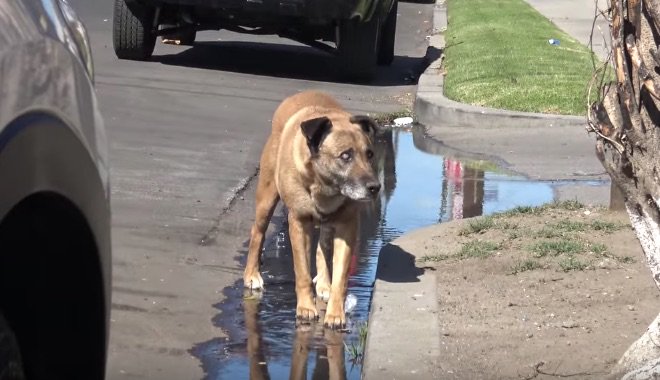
(185, 132)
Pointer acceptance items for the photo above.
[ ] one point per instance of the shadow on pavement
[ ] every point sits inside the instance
(432, 54)
(397, 265)
(286, 61)
(418, 1)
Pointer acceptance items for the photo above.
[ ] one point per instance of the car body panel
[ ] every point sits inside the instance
(314, 11)
(51, 132)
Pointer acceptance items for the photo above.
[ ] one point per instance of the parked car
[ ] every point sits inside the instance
(360, 33)
(54, 198)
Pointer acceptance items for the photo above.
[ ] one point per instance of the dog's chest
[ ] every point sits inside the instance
(327, 205)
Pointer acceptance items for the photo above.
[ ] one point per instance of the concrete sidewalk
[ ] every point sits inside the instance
(576, 18)
(404, 330)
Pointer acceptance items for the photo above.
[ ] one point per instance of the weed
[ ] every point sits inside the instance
(506, 225)
(435, 258)
(599, 248)
(599, 225)
(573, 205)
(549, 233)
(556, 248)
(522, 210)
(477, 226)
(529, 210)
(525, 266)
(570, 226)
(571, 263)
(478, 248)
(515, 234)
(363, 328)
(356, 351)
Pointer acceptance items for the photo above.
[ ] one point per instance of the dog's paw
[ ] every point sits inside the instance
(322, 290)
(307, 312)
(253, 281)
(335, 321)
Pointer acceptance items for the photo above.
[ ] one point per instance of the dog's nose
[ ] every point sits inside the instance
(373, 187)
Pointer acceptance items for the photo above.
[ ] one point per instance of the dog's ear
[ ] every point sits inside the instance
(314, 131)
(369, 125)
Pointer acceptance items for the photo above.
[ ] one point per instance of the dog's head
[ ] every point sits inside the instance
(341, 153)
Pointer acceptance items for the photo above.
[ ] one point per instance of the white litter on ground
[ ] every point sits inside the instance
(350, 303)
(403, 121)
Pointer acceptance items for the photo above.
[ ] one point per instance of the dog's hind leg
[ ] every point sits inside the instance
(267, 198)
(323, 256)
(300, 233)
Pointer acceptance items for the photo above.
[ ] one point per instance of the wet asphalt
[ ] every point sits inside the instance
(185, 133)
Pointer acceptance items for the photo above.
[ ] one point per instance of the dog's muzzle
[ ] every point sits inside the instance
(364, 191)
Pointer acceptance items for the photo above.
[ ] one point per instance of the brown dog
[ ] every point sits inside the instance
(318, 161)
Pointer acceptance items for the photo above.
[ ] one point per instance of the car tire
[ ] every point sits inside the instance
(357, 48)
(132, 33)
(388, 36)
(186, 38)
(10, 359)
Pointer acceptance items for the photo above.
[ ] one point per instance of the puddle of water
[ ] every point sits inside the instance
(419, 189)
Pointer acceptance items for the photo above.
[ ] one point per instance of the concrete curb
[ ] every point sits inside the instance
(404, 332)
(433, 109)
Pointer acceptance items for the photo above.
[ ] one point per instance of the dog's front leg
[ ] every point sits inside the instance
(267, 198)
(345, 239)
(300, 233)
(323, 256)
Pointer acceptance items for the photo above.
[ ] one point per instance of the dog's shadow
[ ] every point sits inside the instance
(286, 61)
(397, 265)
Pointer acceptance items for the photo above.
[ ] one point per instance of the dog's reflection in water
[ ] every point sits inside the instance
(330, 361)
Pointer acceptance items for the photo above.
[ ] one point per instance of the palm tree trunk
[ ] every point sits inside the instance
(626, 120)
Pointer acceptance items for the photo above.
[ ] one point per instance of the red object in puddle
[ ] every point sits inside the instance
(453, 170)
(352, 267)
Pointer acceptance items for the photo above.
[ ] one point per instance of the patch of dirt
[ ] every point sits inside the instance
(558, 292)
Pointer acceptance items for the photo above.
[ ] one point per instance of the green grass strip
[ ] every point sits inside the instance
(497, 55)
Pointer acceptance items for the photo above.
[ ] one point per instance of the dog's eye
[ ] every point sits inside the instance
(370, 154)
(346, 155)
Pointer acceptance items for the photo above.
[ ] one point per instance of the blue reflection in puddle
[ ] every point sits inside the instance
(419, 189)
(434, 188)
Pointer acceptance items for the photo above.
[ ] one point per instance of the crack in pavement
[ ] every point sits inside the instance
(212, 234)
